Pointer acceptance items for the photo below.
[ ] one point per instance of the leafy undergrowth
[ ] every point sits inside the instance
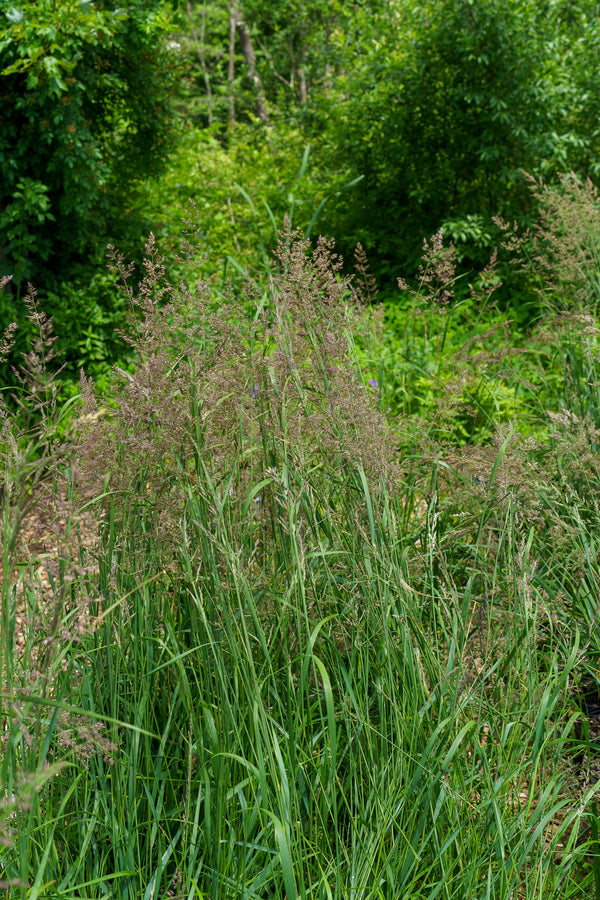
(313, 664)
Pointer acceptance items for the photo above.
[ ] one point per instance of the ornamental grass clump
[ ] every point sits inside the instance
(323, 695)
(310, 685)
(232, 391)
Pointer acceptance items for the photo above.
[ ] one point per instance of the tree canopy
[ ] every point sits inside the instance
(444, 110)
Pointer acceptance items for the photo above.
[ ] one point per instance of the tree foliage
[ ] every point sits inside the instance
(89, 87)
(432, 110)
(444, 109)
(296, 44)
(439, 107)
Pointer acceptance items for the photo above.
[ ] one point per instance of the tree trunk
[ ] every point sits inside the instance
(200, 52)
(302, 85)
(231, 63)
(250, 58)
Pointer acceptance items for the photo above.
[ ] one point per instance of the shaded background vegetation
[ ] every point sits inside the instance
(378, 122)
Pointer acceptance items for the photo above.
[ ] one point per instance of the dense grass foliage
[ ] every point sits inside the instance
(337, 636)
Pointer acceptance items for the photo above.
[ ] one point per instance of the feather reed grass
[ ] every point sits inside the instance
(300, 681)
